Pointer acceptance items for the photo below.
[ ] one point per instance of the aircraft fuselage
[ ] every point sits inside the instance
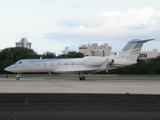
(65, 65)
(127, 56)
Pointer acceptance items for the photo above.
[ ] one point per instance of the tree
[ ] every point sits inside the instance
(71, 55)
(48, 55)
(9, 56)
(62, 56)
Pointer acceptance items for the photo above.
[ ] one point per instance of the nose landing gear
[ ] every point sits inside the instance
(18, 76)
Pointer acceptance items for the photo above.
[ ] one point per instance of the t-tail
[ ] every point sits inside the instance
(132, 49)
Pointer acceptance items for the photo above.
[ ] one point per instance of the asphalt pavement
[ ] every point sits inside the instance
(79, 107)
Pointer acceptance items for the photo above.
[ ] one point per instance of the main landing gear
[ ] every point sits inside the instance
(18, 76)
(81, 77)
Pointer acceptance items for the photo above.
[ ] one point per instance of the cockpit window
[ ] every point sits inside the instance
(20, 62)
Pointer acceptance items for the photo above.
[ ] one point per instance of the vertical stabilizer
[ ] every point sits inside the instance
(132, 49)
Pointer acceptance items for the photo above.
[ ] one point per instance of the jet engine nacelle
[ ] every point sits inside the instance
(111, 61)
(94, 60)
(97, 60)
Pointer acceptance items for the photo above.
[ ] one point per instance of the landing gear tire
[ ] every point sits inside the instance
(17, 78)
(82, 78)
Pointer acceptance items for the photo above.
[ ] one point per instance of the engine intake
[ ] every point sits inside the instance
(111, 61)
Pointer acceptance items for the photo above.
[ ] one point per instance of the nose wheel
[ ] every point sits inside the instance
(18, 76)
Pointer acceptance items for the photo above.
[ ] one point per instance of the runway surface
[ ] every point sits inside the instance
(35, 85)
(79, 107)
(64, 99)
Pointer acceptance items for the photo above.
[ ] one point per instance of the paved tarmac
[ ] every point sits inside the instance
(35, 85)
(79, 107)
(64, 99)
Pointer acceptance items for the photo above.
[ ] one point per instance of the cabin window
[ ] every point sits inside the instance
(20, 62)
(45, 64)
(37, 64)
(51, 64)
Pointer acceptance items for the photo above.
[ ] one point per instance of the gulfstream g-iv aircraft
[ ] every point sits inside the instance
(127, 56)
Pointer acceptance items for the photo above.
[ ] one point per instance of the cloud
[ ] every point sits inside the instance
(73, 23)
(77, 6)
(138, 27)
(114, 22)
(51, 25)
(113, 27)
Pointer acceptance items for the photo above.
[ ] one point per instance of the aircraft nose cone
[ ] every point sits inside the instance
(13, 68)
(7, 69)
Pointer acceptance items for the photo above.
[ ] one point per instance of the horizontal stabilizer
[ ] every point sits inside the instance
(138, 40)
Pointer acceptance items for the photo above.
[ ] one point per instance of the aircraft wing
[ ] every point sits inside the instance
(105, 64)
(102, 67)
(78, 71)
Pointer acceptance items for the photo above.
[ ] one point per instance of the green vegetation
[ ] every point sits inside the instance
(72, 55)
(150, 66)
(9, 56)
(26, 101)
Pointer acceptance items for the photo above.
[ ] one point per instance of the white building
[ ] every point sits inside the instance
(66, 50)
(95, 50)
(149, 54)
(23, 43)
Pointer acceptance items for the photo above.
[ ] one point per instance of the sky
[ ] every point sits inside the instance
(52, 25)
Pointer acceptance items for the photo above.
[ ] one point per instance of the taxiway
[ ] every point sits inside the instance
(35, 85)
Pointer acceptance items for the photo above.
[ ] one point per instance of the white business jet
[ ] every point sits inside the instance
(127, 56)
